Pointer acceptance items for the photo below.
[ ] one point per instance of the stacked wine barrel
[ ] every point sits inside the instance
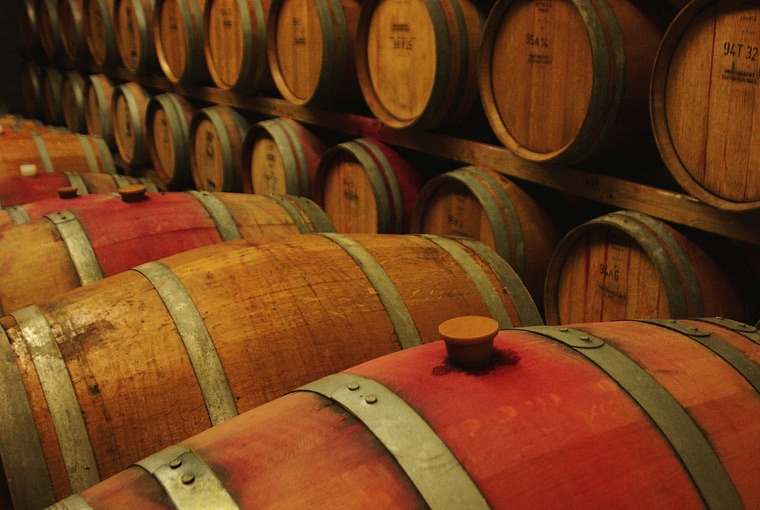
(206, 282)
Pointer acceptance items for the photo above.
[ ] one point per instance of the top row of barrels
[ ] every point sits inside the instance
(560, 82)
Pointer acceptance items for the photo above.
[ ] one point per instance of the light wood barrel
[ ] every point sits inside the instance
(216, 142)
(235, 38)
(71, 23)
(628, 265)
(319, 303)
(417, 61)
(72, 101)
(487, 206)
(281, 156)
(48, 28)
(311, 48)
(707, 136)
(99, 32)
(178, 36)
(31, 89)
(568, 81)
(51, 79)
(53, 152)
(98, 92)
(20, 190)
(167, 128)
(92, 239)
(129, 102)
(134, 35)
(664, 439)
(364, 186)
(16, 123)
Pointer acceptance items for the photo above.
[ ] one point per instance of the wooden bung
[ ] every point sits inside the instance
(469, 340)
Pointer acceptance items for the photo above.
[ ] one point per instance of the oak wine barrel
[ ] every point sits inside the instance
(216, 141)
(134, 35)
(364, 186)
(16, 123)
(707, 136)
(178, 36)
(72, 101)
(48, 28)
(129, 102)
(281, 156)
(167, 130)
(98, 93)
(622, 414)
(235, 38)
(82, 244)
(53, 152)
(417, 60)
(487, 206)
(567, 82)
(19, 190)
(30, 78)
(627, 265)
(99, 32)
(288, 309)
(311, 50)
(51, 79)
(71, 22)
(28, 34)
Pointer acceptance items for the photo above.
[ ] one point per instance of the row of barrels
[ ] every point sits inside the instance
(560, 82)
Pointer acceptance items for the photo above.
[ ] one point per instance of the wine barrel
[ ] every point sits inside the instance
(50, 92)
(311, 50)
(72, 101)
(235, 38)
(68, 197)
(48, 28)
(567, 82)
(17, 123)
(317, 302)
(99, 32)
(178, 36)
(30, 78)
(216, 140)
(281, 156)
(487, 206)
(134, 35)
(28, 34)
(167, 130)
(19, 190)
(626, 265)
(417, 61)
(71, 23)
(129, 102)
(53, 152)
(364, 186)
(81, 245)
(706, 137)
(98, 92)
(638, 420)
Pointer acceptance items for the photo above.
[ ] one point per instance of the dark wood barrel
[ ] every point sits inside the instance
(71, 20)
(235, 38)
(98, 92)
(626, 265)
(417, 61)
(167, 129)
(707, 136)
(48, 28)
(30, 78)
(72, 101)
(129, 103)
(601, 415)
(50, 91)
(365, 186)
(311, 51)
(134, 36)
(487, 206)
(99, 32)
(178, 36)
(281, 156)
(216, 148)
(566, 82)
(28, 33)
(19, 190)
(318, 302)
(84, 244)
(53, 152)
